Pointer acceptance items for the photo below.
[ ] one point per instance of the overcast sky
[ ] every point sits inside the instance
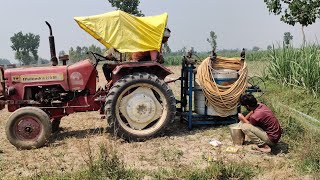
(237, 23)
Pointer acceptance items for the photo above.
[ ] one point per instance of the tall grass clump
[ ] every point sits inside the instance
(214, 170)
(296, 67)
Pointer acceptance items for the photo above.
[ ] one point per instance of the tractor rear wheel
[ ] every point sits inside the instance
(139, 106)
(28, 127)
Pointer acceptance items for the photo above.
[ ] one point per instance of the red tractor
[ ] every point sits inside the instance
(137, 104)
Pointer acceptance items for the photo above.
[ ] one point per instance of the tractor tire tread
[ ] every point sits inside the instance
(114, 127)
(44, 135)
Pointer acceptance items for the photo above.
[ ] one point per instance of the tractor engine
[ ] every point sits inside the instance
(51, 95)
(48, 95)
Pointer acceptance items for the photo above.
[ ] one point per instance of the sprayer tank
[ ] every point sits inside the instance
(222, 77)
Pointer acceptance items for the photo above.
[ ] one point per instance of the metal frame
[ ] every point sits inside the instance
(187, 100)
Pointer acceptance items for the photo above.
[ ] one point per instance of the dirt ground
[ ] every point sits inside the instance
(83, 134)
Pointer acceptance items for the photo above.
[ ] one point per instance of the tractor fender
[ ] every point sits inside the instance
(142, 66)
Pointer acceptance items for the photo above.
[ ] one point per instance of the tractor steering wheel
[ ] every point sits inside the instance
(97, 57)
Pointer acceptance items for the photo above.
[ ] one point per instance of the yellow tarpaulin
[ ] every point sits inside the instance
(125, 32)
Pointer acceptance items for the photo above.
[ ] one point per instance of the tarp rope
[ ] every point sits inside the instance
(224, 99)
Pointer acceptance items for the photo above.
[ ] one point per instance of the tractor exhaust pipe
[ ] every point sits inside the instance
(54, 60)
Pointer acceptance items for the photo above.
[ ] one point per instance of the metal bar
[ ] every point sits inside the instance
(213, 122)
(186, 78)
(253, 90)
(190, 88)
(205, 109)
(174, 80)
(181, 86)
(62, 107)
(209, 120)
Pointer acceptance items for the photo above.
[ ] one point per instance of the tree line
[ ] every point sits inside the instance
(80, 53)
(290, 11)
(4, 61)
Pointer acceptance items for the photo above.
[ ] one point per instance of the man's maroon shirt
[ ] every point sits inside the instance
(263, 117)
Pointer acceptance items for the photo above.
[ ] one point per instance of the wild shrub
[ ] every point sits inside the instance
(109, 166)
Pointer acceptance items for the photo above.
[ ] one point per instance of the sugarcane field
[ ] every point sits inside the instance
(160, 90)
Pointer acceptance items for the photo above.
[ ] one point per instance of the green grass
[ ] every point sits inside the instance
(302, 134)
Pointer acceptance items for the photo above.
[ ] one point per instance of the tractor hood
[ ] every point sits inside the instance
(72, 77)
(125, 32)
(37, 75)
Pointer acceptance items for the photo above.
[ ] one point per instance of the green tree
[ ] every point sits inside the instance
(287, 37)
(255, 48)
(81, 53)
(33, 42)
(269, 47)
(129, 6)
(213, 40)
(304, 12)
(25, 46)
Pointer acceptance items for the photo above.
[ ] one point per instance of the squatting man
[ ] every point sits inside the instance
(260, 124)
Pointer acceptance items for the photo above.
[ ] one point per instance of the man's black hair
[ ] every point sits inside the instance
(248, 99)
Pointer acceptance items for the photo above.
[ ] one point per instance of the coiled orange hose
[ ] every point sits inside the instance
(224, 99)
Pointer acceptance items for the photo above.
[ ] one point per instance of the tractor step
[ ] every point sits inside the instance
(100, 99)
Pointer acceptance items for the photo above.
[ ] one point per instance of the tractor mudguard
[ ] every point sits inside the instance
(142, 66)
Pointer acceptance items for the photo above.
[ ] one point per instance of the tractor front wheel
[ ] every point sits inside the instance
(28, 127)
(139, 106)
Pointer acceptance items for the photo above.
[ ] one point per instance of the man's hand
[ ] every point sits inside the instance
(160, 59)
(242, 118)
